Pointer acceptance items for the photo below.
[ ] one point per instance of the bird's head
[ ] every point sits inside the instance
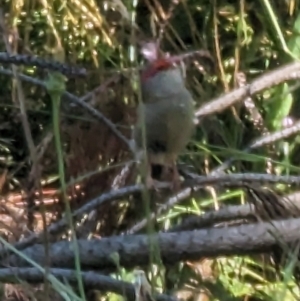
(156, 60)
(161, 77)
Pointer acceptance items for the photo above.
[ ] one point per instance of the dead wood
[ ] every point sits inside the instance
(134, 250)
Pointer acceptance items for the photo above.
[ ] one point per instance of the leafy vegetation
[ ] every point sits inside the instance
(64, 140)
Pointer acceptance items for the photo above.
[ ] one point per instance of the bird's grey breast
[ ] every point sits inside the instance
(163, 84)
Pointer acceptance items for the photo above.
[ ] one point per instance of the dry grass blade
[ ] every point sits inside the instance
(247, 209)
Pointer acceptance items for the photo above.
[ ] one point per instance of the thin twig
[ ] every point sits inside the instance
(61, 225)
(261, 141)
(101, 88)
(166, 18)
(230, 213)
(77, 100)
(201, 181)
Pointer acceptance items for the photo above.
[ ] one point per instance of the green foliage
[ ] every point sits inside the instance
(248, 36)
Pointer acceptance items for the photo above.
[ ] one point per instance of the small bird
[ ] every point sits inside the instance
(167, 111)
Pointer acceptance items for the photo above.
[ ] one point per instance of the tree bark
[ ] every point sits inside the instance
(134, 250)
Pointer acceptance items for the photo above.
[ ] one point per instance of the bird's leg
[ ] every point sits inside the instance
(176, 183)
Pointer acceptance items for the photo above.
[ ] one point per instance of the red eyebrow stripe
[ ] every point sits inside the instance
(156, 66)
(162, 64)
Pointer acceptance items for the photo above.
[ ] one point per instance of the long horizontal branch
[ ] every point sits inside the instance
(272, 78)
(134, 250)
(90, 280)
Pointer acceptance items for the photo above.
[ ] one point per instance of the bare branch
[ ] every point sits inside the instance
(240, 179)
(90, 280)
(268, 80)
(134, 250)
